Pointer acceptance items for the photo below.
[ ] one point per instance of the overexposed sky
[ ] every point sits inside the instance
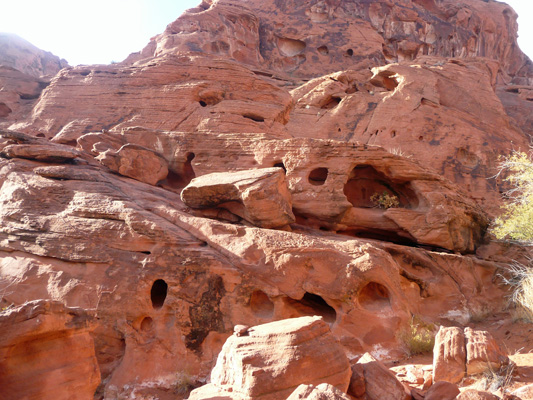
(101, 31)
(91, 31)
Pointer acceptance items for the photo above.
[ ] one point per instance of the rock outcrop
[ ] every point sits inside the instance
(25, 71)
(259, 196)
(273, 359)
(47, 352)
(364, 133)
(380, 382)
(461, 352)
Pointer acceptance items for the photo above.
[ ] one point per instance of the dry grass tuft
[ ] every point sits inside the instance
(419, 337)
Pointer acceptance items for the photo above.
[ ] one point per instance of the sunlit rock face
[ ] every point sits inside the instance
(261, 161)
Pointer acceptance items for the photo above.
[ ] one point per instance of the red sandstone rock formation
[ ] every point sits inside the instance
(273, 359)
(325, 91)
(25, 71)
(47, 352)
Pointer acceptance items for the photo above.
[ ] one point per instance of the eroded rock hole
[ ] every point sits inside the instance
(254, 117)
(313, 304)
(146, 324)
(374, 296)
(366, 187)
(261, 305)
(323, 50)
(281, 165)
(332, 102)
(349, 52)
(203, 103)
(290, 47)
(158, 294)
(188, 171)
(318, 176)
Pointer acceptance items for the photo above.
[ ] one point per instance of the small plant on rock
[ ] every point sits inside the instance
(385, 200)
(419, 337)
(521, 283)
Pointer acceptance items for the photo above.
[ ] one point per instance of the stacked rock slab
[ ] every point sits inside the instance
(459, 353)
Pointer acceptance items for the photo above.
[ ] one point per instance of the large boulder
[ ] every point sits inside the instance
(449, 355)
(442, 390)
(459, 352)
(483, 353)
(275, 358)
(380, 382)
(259, 196)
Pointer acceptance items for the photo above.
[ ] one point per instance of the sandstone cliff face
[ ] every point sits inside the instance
(25, 71)
(21, 55)
(111, 197)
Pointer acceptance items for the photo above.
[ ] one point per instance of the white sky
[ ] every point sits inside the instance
(101, 31)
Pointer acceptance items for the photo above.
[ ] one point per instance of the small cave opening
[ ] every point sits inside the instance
(254, 117)
(180, 177)
(402, 237)
(323, 50)
(349, 52)
(369, 188)
(313, 304)
(374, 297)
(331, 103)
(280, 164)
(203, 103)
(290, 47)
(188, 170)
(261, 305)
(158, 294)
(318, 176)
(146, 324)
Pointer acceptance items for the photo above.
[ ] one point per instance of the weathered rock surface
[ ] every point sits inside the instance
(380, 382)
(47, 352)
(175, 92)
(449, 355)
(21, 55)
(259, 196)
(307, 38)
(459, 352)
(524, 393)
(236, 86)
(331, 190)
(483, 352)
(442, 390)
(275, 358)
(25, 71)
(472, 394)
(93, 239)
(136, 162)
(323, 391)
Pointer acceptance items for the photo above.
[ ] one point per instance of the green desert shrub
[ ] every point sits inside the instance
(385, 200)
